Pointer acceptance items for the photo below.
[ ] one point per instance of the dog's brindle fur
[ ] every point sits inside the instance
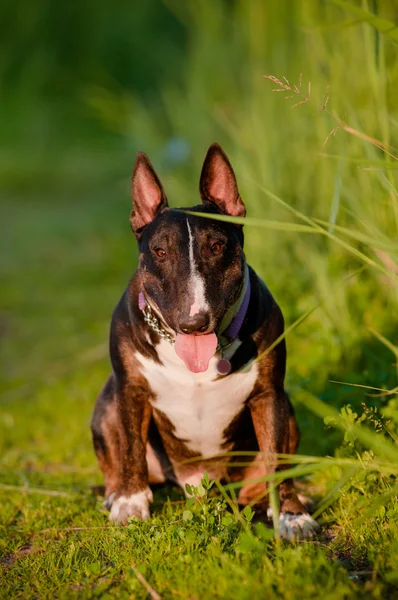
(153, 414)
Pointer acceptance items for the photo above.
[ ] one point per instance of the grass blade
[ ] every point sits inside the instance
(381, 24)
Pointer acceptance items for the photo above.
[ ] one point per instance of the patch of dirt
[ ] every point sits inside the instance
(9, 559)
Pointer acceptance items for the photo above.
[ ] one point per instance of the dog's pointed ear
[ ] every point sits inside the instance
(147, 194)
(218, 183)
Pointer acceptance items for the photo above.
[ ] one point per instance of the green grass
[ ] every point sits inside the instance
(322, 233)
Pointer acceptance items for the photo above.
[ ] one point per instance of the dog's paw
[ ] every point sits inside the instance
(296, 527)
(136, 505)
(307, 502)
(107, 503)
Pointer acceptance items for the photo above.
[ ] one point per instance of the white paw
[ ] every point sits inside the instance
(295, 527)
(136, 505)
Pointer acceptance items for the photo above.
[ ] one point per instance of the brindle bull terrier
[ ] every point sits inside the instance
(189, 379)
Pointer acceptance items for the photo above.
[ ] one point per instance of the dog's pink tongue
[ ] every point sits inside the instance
(196, 350)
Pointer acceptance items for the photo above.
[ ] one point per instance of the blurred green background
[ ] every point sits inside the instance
(85, 85)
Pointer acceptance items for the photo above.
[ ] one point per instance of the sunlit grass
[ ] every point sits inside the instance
(322, 231)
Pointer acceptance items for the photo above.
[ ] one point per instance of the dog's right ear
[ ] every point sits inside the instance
(147, 194)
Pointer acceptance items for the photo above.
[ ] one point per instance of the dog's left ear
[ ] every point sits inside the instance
(218, 183)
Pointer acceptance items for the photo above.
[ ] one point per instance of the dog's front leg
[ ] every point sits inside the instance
(133, 494)
(270, 415)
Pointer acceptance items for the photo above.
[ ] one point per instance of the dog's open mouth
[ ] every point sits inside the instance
(196, 350)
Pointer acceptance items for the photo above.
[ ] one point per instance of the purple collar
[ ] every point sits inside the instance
(233, 329)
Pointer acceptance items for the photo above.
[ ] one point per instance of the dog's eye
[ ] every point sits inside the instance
(160, 252)
(217, 247)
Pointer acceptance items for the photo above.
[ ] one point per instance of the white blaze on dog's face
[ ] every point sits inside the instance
(196, 283)
(191, 267)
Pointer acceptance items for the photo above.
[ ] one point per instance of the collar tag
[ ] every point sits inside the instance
(224, 364)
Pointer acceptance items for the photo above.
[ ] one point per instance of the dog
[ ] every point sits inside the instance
(192, 387)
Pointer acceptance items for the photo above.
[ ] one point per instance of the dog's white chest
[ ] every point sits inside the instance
(199, 405)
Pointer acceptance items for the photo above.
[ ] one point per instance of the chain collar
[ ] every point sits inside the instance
(154, 323)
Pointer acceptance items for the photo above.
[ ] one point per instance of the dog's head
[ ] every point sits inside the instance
(191, 268)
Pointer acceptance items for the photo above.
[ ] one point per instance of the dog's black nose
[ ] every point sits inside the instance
(197, 324)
